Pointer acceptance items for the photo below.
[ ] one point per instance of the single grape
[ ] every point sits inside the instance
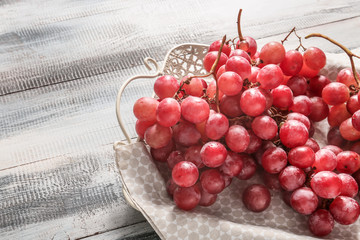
(298, 85)
(292, 63)
(348, 132)
(338, 114)
(230, 106)
(349, 186)
(195, 109)
(254, 143)
(272, 53)
(237, 138)
(301, 157)
(346, 77)
(194, 88)
(345, 210)
(282, 97)
(161, 154)
(333, 148)
(249, 167)
(141, 126)
(233, 164)
(186, 134)
(240, 53)
(254, 72)
(270, 76)
(326, 184)
(304, 200)
(252, 102)
(299, 117)
(292, 178)
(301, 104)
(314, 58)
(335, 93)
(166, 86)
(158, 136)
(307, 72)
(317, 83)
(230, 83)
(264, 127)
(274, 160)
(348, 162)
(293, 133)
(210, 59)
(211, 91)
(192, 154)
(215, 46)
(256, 198)
(321, 222)
(249, 45)
(220, 71)
(213, 154)
(187, 198)
(325, 160)
(353, 104)
(334, 137)
(168, 112)
(207, 199)
(212, 181)
(271, 181)
(319, 109)
(216, 126)
(174, 158)
(312, 144)
(185, 174)
(355, 120)
(145, 109)
(239, 65)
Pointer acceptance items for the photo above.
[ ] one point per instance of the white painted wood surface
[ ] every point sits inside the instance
(61, 64)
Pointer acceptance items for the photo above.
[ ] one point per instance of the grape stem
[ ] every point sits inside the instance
(345, 49)
(212, 72)
(239, 27)
(293, 30)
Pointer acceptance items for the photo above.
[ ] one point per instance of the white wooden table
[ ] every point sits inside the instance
(61, 65)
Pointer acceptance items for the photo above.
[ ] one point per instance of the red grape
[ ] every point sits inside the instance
(168, 112)
(185, 174)
(230, 106)
(292, 178)
(335, 93)
(264, 127)
(314, 58)
(325, 160)
(319, 109)
(158, 136)
(230, 83)
(326, 184)
(348, 162)
(317, 84)
(239, 65)
(346, 77)
(141, 126)
(282, 97)
(338, 114)
(252, 102)
(348, 132)
(237, 138)
(192, 154)
(145, 109)
(216, 126)
(186, 134)
(345, 210)
(292, 63)
(304, 200)
(233, 164)
(212, 181)
(270, 76)
(213, 154)
(256, 198)
(249, 167)
(349, 186)
(210, 59)
(187, 198)
(166, 86)
(274, 160)
(215, 46)
(272, 53)
(321, 223)
(301, 104)
(293, 133)
(301, 157)
(298, 85)
(195, 109)
(161, 154)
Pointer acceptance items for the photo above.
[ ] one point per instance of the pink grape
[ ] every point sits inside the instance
(293, 133)
(345, 210)
(210, 59)
(301, 157)
(237, 138)
(335, 93)
(213, 154)
(212, 181)
(230, 106)
(168, 112)
(314, 58)
(292, 178)
(230, 83)
(185, 174)
(194, 88)
(319, 109)
(264, 127)
(215, 46)
(141, 126)
(194, 109)
(346, 77)
(187, 198)
(304, 200)
(249, 167)
(317, 84)
(321, 223)
(326, 184)
(274, 160)
(270, 76)
(292, 63)
(158, 136)
(216, 126)
(220, 71)
(272, 53)
(249, 45)
(348, 162)
(325, 160)
(239, 65)
(186, 134)
(282, 97)
(298, 85)
(256, 198)
(301, 104)
(257, 100)
(349, 186)
(166, 86)
(145, 109)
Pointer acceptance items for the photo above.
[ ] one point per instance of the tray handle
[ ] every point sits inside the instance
(147, 62)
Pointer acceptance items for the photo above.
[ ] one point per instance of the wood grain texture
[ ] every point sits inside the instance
(61, 65)
(81, 43)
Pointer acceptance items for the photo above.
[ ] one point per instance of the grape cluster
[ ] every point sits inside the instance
(258, 114)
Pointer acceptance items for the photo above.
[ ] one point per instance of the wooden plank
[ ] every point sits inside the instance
(139, 231)
(43, 52)
(70, 196)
